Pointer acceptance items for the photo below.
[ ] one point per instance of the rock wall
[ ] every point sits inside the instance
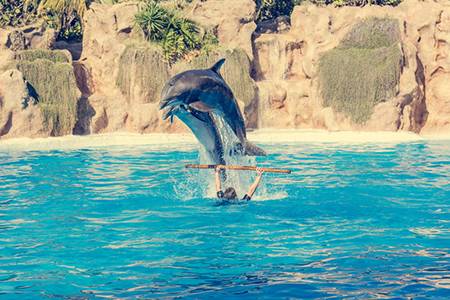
(285, 69)
(19, 113)
(121, 76)
(273, 69)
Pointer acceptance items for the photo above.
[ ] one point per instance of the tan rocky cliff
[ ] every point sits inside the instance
(120, 78)
(285, 69)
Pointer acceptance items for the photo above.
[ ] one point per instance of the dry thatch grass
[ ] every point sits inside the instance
(55, 86)
(144, 66)
(363, 71)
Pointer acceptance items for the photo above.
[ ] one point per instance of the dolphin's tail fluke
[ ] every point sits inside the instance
(251, 149)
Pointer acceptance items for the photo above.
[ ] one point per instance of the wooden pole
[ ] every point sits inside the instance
(237, 168)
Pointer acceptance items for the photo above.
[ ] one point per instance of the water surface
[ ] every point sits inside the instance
(353, 221)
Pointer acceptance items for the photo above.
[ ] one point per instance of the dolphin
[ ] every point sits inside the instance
(205, 90)
(203, 127)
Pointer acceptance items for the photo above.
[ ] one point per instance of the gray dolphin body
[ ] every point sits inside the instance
(205, 90)
(205, 130)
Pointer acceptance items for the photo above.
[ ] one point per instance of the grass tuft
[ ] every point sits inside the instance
(144, 66)
(53, 56)
(363, 71)
(54, 83)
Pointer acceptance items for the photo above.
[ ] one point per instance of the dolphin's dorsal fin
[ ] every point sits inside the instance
(217, 65)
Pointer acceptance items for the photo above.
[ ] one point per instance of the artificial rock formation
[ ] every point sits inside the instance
(232, 21)
(121, 76)
(113, 96)
(19, 113)
(272, 69)
(285, 68)
(28, 49)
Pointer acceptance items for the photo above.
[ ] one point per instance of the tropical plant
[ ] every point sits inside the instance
(64, 6)
(68, 12)
(271, 9)
(208, 42)
(176, 35)
(17, 12)
(179, 38)
(152, 19)
(357, 2)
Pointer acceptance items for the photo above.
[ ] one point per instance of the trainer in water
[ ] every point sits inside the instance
(205, 90)
(230, 193)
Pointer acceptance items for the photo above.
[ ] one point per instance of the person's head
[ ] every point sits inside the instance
(230, 193)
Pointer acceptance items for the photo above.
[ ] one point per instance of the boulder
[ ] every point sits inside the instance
(35, 36)
(231, 20)
(20, 115)
(105, 28)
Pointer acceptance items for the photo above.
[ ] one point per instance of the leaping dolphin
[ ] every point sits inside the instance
(205, 90)
(205, 129)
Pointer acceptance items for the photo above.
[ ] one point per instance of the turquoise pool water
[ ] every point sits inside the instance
(353, 221)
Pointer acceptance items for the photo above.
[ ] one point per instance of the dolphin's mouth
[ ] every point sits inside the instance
(168, 112)
(169, 102)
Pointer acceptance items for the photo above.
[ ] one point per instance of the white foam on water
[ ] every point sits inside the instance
(324, 136)
(437, 137)
(266, 136)
(94, 141)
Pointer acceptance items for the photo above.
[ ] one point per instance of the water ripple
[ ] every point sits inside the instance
(352, 221)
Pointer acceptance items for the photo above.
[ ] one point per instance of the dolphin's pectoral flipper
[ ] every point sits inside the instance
(217, 65)
(199, 105)
(252, 150)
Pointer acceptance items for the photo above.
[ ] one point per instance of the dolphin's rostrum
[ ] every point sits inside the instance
(205, 90)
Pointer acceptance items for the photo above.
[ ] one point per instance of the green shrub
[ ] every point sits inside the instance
(363, 71)
(54, 83)
(271, 9)
(176, 35)
(17, 13)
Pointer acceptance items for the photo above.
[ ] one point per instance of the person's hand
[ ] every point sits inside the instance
(259, 171)
(217, 168)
